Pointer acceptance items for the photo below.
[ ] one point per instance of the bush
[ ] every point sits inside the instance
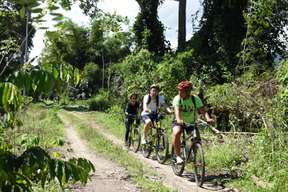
(92, 74)
(116, 112)
(98, 103)
(226, 156)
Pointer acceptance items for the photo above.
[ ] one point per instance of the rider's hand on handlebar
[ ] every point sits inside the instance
(170, 111)
(210, 121)
(180, 122)
(148, 111)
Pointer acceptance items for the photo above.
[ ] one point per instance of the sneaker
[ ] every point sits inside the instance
(179, 160)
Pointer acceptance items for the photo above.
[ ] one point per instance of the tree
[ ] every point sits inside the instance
(13, 36)
(217, 43)
(181, 25)
(266, 37)
(148, 29)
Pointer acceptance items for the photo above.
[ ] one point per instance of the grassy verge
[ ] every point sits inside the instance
(41, 127)
(139, 173)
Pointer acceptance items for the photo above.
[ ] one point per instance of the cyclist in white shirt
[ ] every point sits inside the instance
(151, 103)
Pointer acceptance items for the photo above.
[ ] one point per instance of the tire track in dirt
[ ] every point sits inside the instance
(165, 172)
(108, 176)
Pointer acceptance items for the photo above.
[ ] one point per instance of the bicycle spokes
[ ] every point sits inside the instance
(162, 148)
(199, 164)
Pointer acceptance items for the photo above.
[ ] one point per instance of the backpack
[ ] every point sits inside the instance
(148, 101)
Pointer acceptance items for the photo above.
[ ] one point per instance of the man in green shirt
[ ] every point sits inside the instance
(185, 109)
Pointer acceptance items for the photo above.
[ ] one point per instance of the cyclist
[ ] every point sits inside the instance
(131, 109)
(151, 102)
(186, 107)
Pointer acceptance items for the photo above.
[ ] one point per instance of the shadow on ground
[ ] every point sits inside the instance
(78, 108)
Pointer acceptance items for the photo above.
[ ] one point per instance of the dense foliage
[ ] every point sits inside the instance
(148, 30)
(233, 61)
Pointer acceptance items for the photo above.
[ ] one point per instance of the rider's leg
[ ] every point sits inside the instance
(176, 143)
(127, 126)
(146, 128)
(176, 139)
(147, 124)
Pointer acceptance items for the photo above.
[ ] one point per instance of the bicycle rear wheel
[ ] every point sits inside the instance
(147, 148)
(135, 138)
(178, 169)
(162, 148)
(199, 164)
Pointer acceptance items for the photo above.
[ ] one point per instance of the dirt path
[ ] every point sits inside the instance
(165, 172)
(108, 176)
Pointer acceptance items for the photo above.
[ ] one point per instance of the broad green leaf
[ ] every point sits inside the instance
(22, 12)
(58, 18)
(37, 10)
(56, 14)
(43, 28)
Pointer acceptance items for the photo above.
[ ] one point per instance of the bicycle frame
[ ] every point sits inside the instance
(193, 136)
(157, 139)
(156, 124)
(193, 152)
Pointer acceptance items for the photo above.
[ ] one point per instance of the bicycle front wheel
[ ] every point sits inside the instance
(162, 148)
(135, 139)
(199, 164)
(178, 169)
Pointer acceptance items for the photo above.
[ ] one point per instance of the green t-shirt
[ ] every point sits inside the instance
(187, 108)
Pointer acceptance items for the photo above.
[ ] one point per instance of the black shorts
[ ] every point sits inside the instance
(188, 129)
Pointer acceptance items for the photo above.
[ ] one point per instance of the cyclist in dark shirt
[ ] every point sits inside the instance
(131, 110)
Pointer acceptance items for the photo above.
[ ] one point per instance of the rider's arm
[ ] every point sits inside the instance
(164, 104)
(145, 106)
(169, 110)
(206, 115)
(126, 109)
(177, 115)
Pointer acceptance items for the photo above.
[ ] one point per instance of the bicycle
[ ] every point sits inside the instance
(157, 139)
(134, 138)
(193, 153)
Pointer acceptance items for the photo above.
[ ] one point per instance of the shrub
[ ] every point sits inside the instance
(116, 112)
(100, 102)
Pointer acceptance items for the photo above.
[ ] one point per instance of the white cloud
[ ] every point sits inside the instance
(168, 15)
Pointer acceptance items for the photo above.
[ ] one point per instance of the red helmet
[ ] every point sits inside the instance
(184, 85)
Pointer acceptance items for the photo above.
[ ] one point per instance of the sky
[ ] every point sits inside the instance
(168, 15)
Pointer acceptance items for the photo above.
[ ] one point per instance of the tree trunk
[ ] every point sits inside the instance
(181, 25)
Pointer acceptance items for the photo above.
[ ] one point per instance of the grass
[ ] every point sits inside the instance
(138, 172)
(225, 161)
(219, 157)
(41, 127)
(226, 156)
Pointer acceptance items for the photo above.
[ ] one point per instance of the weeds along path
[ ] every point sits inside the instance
(108, 177)
(165, 172)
